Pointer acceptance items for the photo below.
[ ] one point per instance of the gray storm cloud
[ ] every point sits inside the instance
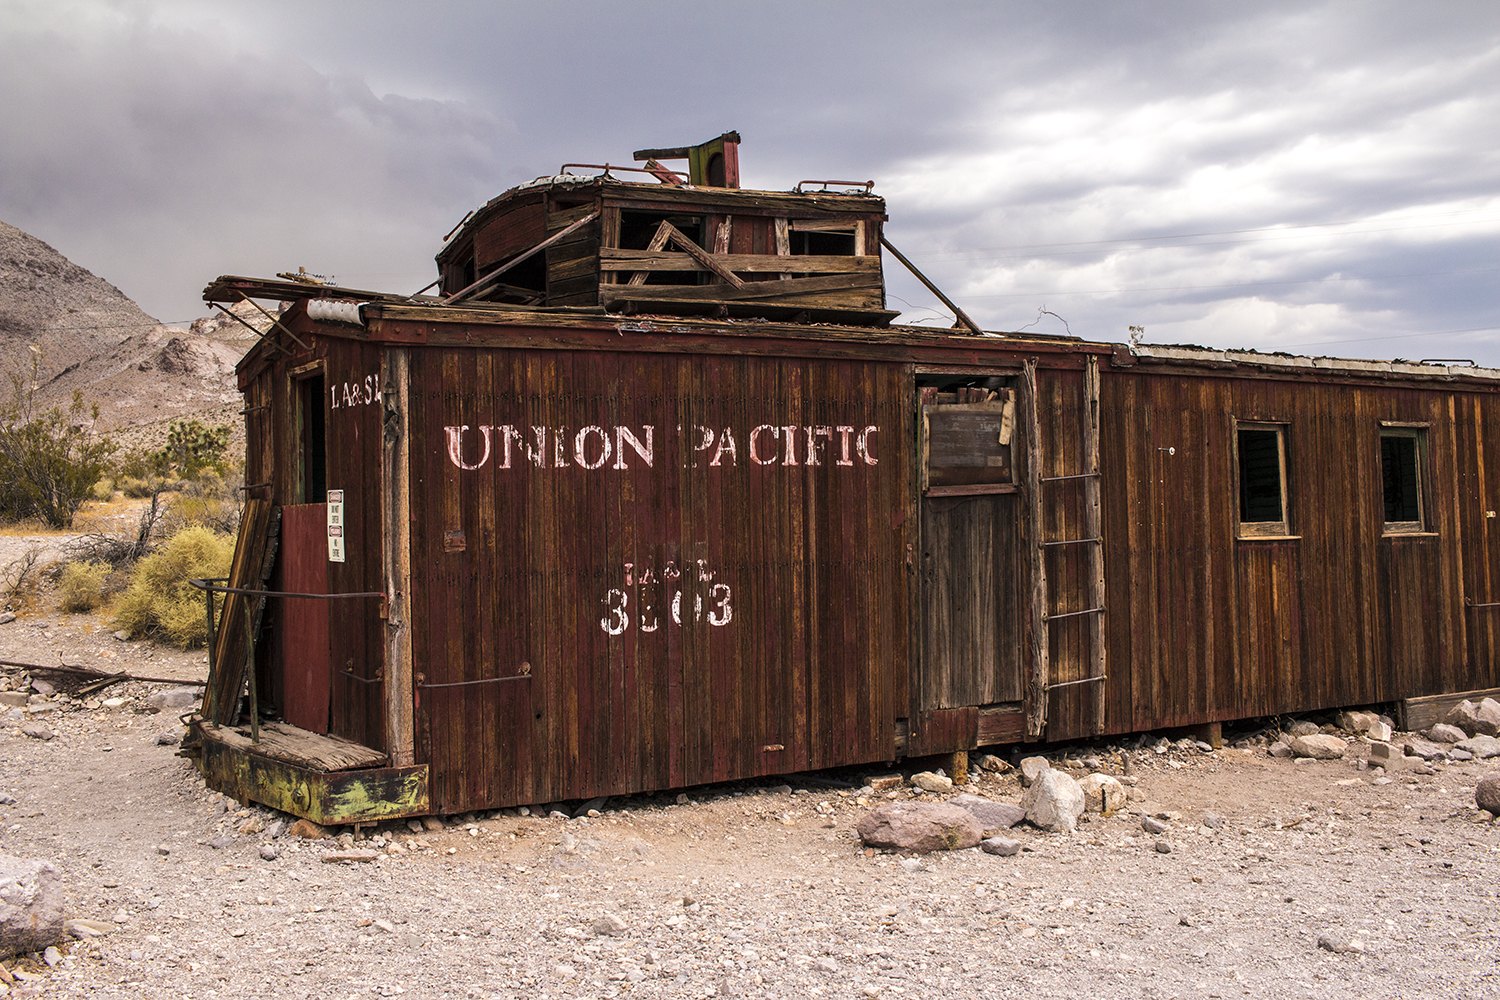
(1297, 177)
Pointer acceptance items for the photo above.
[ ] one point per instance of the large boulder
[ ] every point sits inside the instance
(991, 815)
(1319, 746)
(1031, 767)
(920, 827)
(1053, 802)
(1102, 793)
(1357, 722)
(1482, 719)
(1444, 733)
(31, 905)
(1480, 746)
(1487, 795)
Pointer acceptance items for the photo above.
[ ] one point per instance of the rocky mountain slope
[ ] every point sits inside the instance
(94, 339)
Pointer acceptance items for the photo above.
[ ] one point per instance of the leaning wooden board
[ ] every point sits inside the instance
(254, 553)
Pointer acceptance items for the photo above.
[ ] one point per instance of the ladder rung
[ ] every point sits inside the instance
(1075, 614)
(1058, 479)
(1073, 541)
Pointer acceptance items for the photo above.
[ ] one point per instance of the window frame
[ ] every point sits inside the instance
(1262, 529)
(1416, 432)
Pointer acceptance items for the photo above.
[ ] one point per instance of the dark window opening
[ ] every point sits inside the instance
(1401, 480)
(1262, 497)
(526, 283)
(312, 444)
(823, 244)
(638, 229)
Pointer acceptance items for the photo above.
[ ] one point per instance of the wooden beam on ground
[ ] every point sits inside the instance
(1417, 714)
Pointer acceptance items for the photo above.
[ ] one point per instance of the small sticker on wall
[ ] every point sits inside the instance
(336, 526)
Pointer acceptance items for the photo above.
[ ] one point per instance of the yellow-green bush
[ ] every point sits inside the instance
(137, 489)
(160, 601)
(104, 490)
(81, 586)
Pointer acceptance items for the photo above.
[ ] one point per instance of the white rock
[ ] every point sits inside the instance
(1102, 793)
(31, 905)
(1053, 802)
(1319, 746)
(929, 782)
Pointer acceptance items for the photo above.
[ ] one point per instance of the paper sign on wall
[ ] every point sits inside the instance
(335, 525)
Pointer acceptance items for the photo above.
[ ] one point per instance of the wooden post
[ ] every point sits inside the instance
(395, 513)
(1036, 701)
(1093, 527)
(958, 767)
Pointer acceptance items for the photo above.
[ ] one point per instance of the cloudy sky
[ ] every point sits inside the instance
(1317, 178)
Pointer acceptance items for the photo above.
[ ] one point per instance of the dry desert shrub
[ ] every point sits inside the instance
(81, 585)
(160, 602)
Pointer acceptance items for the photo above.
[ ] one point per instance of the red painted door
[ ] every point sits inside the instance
(305, 658)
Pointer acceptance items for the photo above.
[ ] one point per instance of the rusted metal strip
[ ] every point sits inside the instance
(484, 680)
(1081, 680)
(206, 586)
(1081, 475)
(240, 319)
(1471, 604)
(493, 276)
(1075, 614)
(1073, 541)
(274, 320)
(962, 316)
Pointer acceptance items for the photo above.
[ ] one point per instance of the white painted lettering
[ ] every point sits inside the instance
(456, 447)
(579, 450)
(726, 445)
(705, 441)
(813, 433)
(863, 445)
(623, 436)
(844, 433)
(789, 437)
(722, 613)
(615, 621)
(559, 455)
(754, 440)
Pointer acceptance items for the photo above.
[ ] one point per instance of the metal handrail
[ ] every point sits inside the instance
(210, 586)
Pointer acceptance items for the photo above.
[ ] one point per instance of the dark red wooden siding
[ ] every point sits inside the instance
(805, 673)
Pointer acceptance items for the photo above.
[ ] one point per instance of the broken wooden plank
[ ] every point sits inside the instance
(665, 260)
(748, 291)
(285, 742)
(254, 551)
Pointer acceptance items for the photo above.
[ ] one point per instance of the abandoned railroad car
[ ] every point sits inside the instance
(651, 494)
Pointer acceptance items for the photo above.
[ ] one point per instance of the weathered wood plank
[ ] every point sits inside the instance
(330, 798)
(751, 291)
(1416, 714)
(1036, 695)
(665, 260)
(395, 516)
(285, 742)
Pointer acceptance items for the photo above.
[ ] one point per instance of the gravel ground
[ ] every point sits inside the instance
(759, 890)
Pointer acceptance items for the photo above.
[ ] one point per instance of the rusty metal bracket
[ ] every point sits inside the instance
(274, 321)
(1073, 614)
(1081, 680)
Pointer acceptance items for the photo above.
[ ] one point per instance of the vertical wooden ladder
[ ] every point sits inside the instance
(1093, 528)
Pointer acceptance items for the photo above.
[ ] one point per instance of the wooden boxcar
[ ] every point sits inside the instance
(607, 552)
